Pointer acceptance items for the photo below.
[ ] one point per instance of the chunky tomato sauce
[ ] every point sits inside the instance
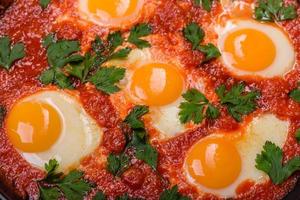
(25, 21)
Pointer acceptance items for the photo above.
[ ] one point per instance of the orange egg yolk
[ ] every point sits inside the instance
(113, 8)
(156, 84)
(213, 162)
(250, 50)
(33, 126)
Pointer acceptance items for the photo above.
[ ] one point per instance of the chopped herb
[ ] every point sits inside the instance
(2, 114)
(72, 186)
(125, 197)
(148, 154)
(274, 10)
(196, 108)
(133, 118)
(195, 35)
(206, 4)
(295, 94)
(137, 32)
(10, 53)
(100, 196)
(297, 135)
(270, 161)
(237, 101)
(114, 40)
(44, 3)
(106, 78)
(117, 164)
(172, 194)
(56, 76)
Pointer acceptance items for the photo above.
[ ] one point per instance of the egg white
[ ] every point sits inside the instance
(80, 134)
(266, 127)
(285, 54)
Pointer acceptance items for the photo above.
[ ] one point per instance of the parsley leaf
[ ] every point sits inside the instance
(148, 154)
(115, 39)
(206, 4)
(274, 10)
(2, 114)
(172, 194)
(99, 196)
(49, 193)
(106, 78)
(44, 3)
(56, 76)
(72, 186)
(117, 164)
(270, 161)
(196, 108)
(195, 35)
(137, 32)
(237, 101)
(295, 94)
(10, 53)
(133, 117)
(125, 197)
(210, 50)
(297, 135)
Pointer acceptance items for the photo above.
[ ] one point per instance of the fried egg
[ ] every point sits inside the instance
(252, 48)
(52, 124)
(111, 12)
(158, 83)
(221, 162)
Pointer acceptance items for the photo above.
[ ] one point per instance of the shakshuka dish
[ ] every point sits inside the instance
(149, 99)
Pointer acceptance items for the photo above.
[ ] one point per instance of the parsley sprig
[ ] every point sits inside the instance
(65, 61)
(297, 135)
(196, 108)
(237, 100)
(195, 35)
(274, 10)
(206, 4)
(10, 53)
(172, 194)
(71, 186)
(118, 163)
(270, 161)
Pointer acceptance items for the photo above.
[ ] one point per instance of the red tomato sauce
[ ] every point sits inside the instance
(25, 21)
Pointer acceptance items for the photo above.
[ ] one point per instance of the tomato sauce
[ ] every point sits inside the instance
(25, 21)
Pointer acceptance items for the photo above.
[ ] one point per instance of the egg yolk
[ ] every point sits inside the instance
(156, 84)
(213, 162)
(250, 50)
(114, 8)
(33, 126)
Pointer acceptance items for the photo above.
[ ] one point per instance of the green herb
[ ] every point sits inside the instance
(274, 10)
(270, 161)
(148, 154)
(206, 4)
(133, 119)
(195, 35)
(237, 100)
(137, 32)
(100, 196)
(72, 186)
(297, 135)
(106, 78)
(172, 194)
(295, 94)
(196, 108)
(117, 164)
(44, 3)
(59, 54)
(2, 114)
(10, 53)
